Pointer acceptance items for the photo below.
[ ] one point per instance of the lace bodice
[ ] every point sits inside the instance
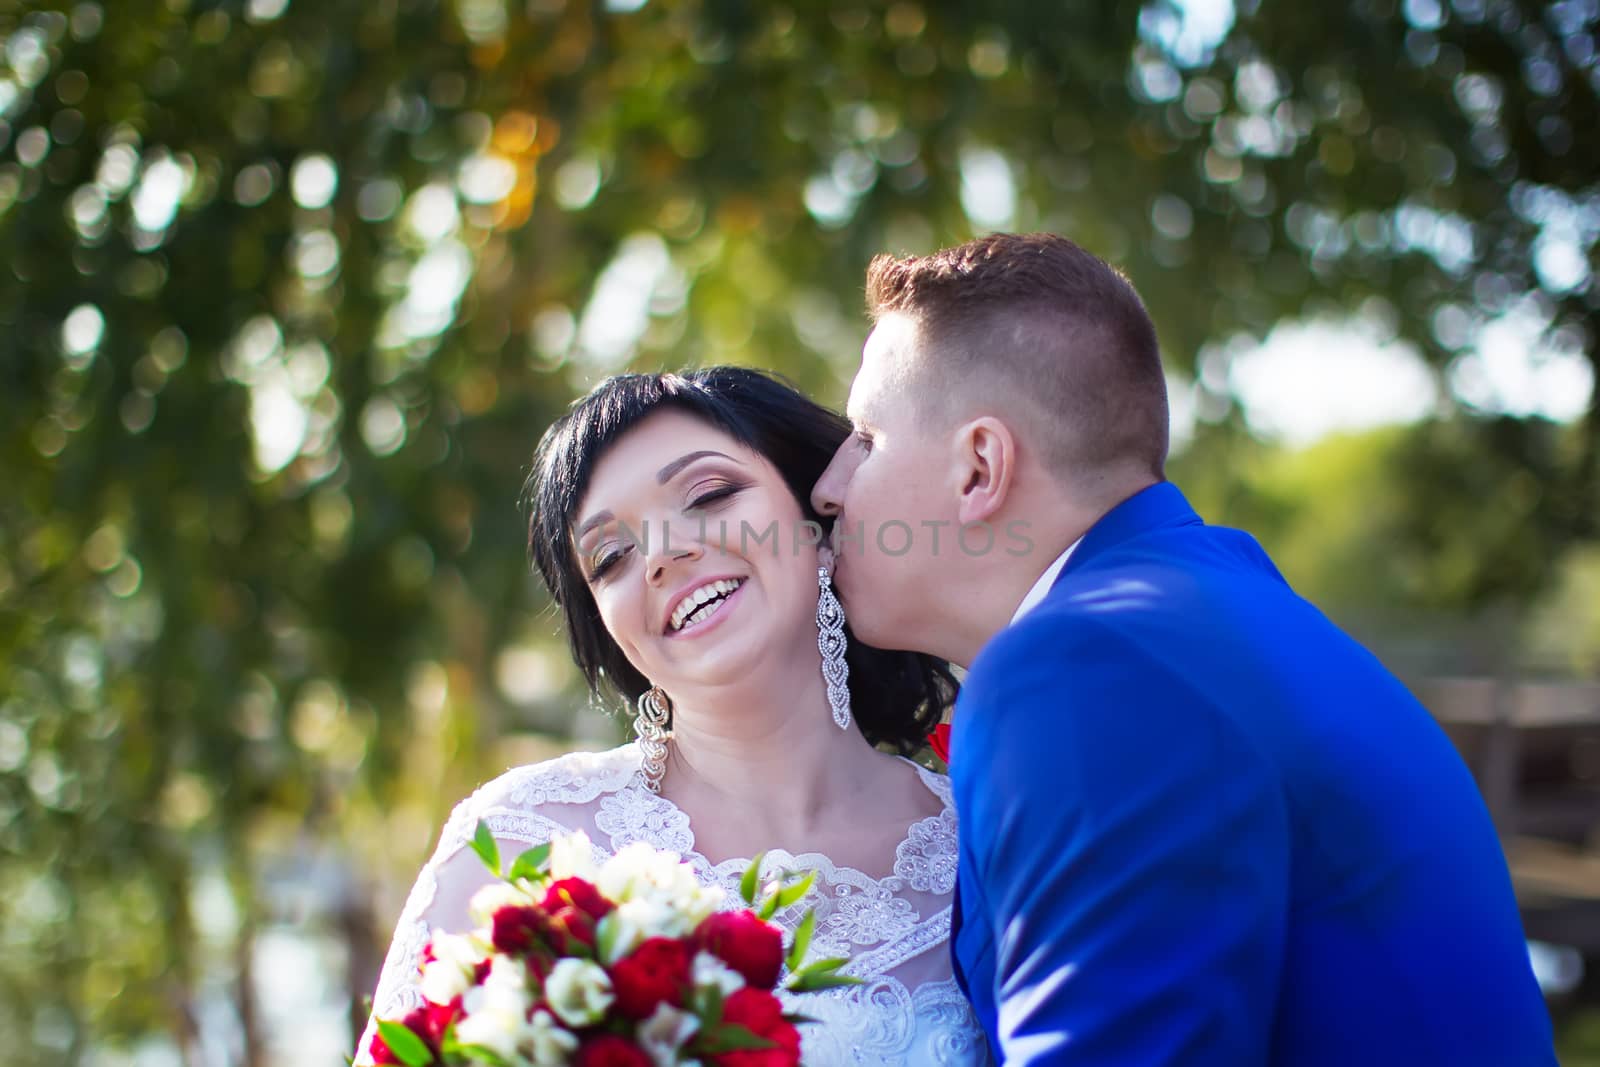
(895, 928)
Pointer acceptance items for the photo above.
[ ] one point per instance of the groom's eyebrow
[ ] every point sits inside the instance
(681, 462)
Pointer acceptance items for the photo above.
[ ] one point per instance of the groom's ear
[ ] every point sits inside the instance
(986, 464)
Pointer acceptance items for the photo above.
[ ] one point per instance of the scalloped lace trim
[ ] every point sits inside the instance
(882, 924)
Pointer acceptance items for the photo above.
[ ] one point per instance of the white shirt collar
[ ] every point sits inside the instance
(1046, 580)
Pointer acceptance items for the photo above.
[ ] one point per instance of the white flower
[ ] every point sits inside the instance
(701, 905)
(665, 1032)
(572, 856)
(491, 898)
(504, 989)
(579, 992)
(450, 973)
(496, 1021)
(638, 871)
(504, 1033)
(548, 1042)
(623, 875)
(669, 874)
(638, 920)
(673, 880)
(707, 971)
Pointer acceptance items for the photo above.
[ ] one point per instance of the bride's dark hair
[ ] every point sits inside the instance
(897, 697)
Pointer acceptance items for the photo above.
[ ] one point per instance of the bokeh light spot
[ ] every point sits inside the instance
(313, 181)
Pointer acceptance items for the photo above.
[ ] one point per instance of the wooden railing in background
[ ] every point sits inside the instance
(1534, 748)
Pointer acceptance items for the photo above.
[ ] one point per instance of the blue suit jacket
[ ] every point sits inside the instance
(1201, 825)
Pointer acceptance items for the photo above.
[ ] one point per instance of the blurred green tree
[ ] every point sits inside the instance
(289, 291)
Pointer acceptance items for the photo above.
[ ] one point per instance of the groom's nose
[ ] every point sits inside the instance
(827, 496)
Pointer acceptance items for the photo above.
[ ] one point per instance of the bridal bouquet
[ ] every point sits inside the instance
(622, 964)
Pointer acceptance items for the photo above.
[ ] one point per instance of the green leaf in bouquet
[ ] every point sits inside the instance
(530, 864)
(791, 893)
(476, 1054)
(488, 851)
(811, 983)
(403, 1042)
(798, 1019)
(821, 975)
(606, 933)
(802, 941)
(729, 1037)
(832, 963)
(752, 879)
(707, 1004)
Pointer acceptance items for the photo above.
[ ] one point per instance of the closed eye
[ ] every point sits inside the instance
(605, 562)
(705, 500)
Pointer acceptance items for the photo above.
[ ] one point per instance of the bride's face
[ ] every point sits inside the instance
(696, 554)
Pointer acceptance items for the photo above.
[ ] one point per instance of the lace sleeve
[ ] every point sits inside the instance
(427, 908)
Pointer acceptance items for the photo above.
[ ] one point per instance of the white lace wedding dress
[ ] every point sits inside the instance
(895, 926)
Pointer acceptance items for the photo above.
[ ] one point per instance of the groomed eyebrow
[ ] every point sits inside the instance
(600, 518)
(681, 462)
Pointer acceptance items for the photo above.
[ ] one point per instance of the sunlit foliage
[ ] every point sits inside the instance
(287, 291)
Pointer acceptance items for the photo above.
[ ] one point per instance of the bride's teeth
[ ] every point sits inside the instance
(691, 604)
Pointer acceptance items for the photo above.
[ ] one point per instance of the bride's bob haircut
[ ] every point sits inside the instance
(897, 697)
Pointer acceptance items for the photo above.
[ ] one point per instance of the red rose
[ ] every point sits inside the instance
(746, 944)
(434, 1019)
(515, 928)
(939, 741)
(427, 1022)
(380, 1052)
(762, 1015)
(655, 972)
(571, 927)
(609, 1050)
(576, 893)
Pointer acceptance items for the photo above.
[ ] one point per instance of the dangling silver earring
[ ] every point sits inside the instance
(651, 727)
(831, 643)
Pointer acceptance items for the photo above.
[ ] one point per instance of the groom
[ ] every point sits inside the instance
(1199, 824)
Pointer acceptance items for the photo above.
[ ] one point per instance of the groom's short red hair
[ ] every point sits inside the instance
(1051, 323)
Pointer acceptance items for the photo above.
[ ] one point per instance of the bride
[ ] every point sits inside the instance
(670, 521)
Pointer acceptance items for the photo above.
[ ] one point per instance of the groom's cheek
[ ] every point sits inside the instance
(848, 536)
(1018, 541)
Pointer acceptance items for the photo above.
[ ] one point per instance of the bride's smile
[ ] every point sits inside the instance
(684, 536)
(702, 606)
(670, 521)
